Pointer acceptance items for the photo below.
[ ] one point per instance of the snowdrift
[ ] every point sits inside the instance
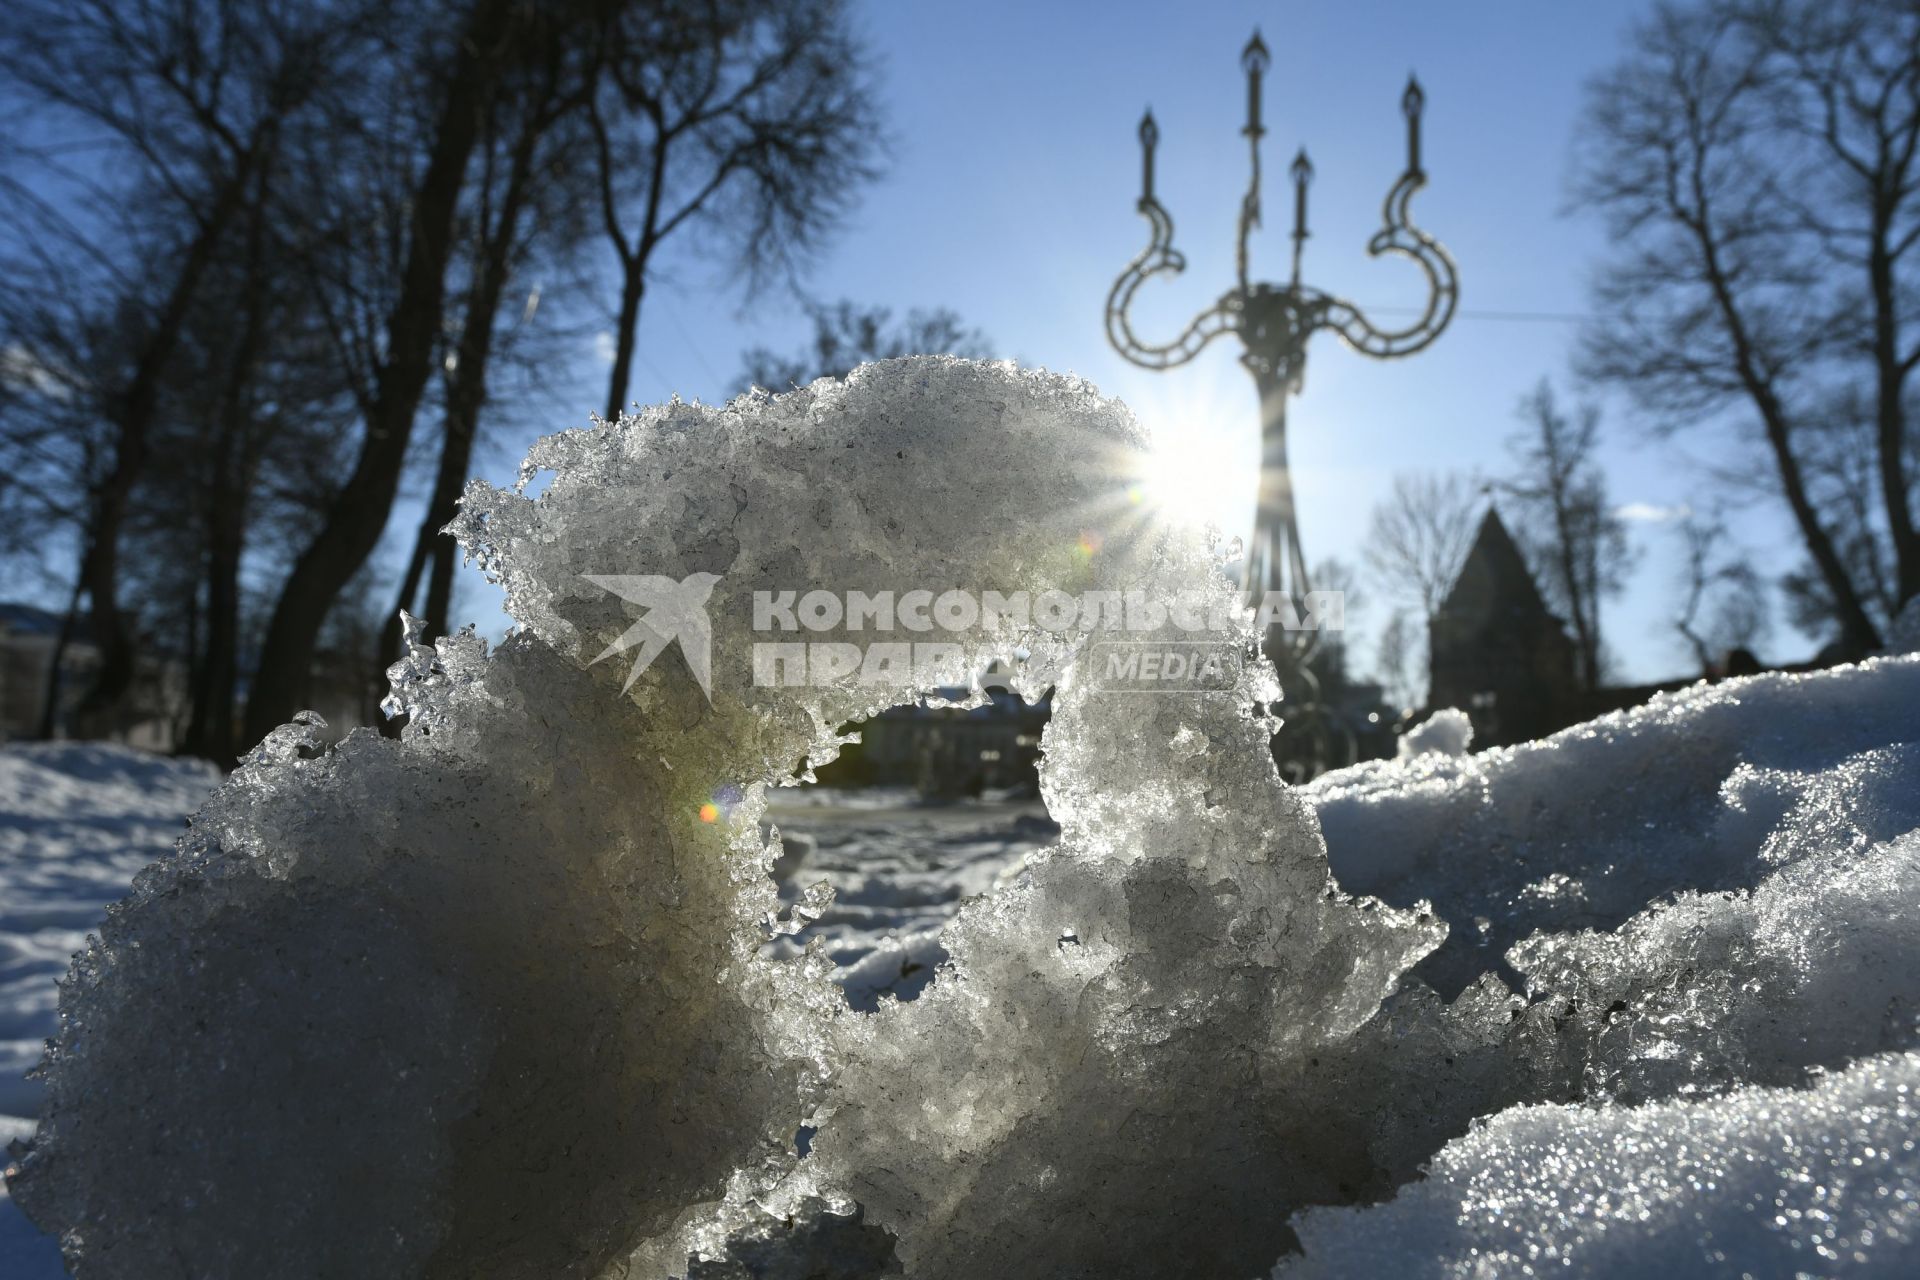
(494, 999)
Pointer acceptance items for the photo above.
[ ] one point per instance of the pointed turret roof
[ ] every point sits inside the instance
(1494, 574)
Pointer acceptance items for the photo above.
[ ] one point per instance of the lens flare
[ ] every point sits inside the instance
(1189, 486)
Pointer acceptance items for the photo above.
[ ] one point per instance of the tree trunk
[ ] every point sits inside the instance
(466, 394)
(210, 730)
(633, 266)
(456, 456)
(50, 704)
(131, 412)
(1858, 633)
(1585, 637)
(392, 633)
(1891, 418)
(354, 521)
(633, 287)
(440, 588)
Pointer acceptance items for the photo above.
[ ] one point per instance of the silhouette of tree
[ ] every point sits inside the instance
(1331, 658)
(1577, 545)
(251, 247)
(1723, 604)
(1397, 661)
(524, 210)
(252, 401)
(1419, 537)
(494, 36)
(1755, 161)
(182, 111)
(752, 122)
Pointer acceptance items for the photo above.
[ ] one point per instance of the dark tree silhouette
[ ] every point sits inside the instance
(752, 122)
(1397, 660)
(193, 100)
(1566, 525)
(1723, 602)
(257, 252)
(497, 35)
(1755, 161)
(523, 206)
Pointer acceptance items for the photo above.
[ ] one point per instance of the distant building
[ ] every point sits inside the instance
(1329, 720)
(1497, 652)
(947, 751)
(150, 717)
(27, 638)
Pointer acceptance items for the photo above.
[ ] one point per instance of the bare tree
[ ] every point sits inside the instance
(217, 348)
(846, 334)
(522, 205)
(752, 121)
(495, 35)
(254, 407)
(1397, 661)
(1755, 160)
(192, 100)
(737, 120)
(1567, 527)
(1331, 658)
(1723, 600)
(231, 389)
(1419, 537)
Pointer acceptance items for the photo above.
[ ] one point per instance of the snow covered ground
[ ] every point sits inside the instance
(899, 870)
(79, 820)
(1725, 885)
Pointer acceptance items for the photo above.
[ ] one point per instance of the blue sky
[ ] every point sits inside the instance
(1011, 199)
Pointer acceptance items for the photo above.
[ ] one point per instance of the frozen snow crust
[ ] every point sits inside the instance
(493, 999)
(1761, 1182)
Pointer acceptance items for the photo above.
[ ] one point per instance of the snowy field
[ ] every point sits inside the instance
(898, 871)
(77, 821)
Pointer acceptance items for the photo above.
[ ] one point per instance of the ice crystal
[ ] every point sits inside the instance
(1761, 1182)
(512, 994)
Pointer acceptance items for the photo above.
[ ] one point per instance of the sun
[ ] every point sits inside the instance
(1191, 487)
(1203, 467)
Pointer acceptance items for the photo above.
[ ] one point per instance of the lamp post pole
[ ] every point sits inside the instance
(1274, 323)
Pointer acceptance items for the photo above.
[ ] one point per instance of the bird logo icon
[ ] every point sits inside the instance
(674, 611)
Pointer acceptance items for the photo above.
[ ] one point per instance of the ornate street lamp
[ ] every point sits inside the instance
(1274, 323)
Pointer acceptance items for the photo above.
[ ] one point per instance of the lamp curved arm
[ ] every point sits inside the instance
(1158, 258)
(1399, 235)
